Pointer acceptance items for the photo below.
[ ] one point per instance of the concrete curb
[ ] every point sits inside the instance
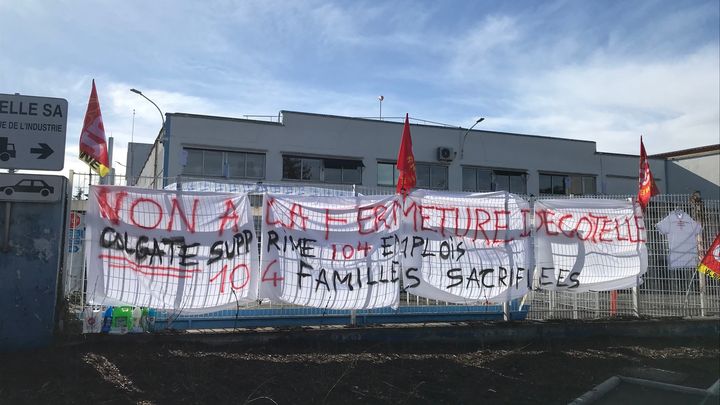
(462, 333)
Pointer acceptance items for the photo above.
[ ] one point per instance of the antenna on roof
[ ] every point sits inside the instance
(380, 99)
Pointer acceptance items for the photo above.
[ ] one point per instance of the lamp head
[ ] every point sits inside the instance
(136, 91)
(481, 119)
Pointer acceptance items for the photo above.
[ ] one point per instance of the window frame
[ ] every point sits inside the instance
(418, 166)
(326, 163)
(494, 175)
(224, 163)
(569, 181)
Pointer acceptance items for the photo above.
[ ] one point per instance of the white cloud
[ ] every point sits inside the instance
(602, 72)
(612, 101)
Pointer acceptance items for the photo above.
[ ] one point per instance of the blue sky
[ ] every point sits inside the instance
(606, 71)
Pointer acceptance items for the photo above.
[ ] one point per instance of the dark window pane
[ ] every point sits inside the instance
(311, 169)
(558, 185)
(589, 185)
(484, 179)
(212, 163)
(423, 176)
(469, 179)
(439, 177)
(385, 174)
(255, 166)
(575, 185)
(291, 168)
(545, 184)
(193, 164)
(502, 182)
(517, 184)
(352, 176)
(342, 163)
(333, 175)
(236, 164)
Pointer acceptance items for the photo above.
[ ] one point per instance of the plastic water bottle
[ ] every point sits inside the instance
(151, 319)
(144, 320)
(92, 319)
(136, 317)
(107, 320)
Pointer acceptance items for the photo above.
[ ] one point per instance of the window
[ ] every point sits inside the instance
(215, 163)
(513, 182)
(560, 184)
(477, 179)
(387, 174)
(485, 179)
(342, 171)
(428, 176)
(296, 168)
(553, 184)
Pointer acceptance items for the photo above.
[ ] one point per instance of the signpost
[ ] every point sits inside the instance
(32, 132)
(32, 216)
(31, 188)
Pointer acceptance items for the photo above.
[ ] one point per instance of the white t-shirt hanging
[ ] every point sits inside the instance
(681, 231)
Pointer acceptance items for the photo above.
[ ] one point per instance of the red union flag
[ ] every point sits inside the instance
(406, 162)
(710, 264)
(646, 184)
(93, 147)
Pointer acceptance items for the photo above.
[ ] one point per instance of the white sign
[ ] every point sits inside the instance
(189, 252)
(588, 244)
(31, 188)
(32, 132)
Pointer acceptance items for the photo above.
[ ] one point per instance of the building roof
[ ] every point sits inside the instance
(387, 120)
(702, 150)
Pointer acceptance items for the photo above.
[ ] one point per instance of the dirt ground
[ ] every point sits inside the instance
(125, 372)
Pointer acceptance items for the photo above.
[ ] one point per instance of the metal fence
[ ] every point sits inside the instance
(663, 292)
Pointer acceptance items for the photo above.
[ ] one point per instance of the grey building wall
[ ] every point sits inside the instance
(137, 155)
(373, 141)
(620, 174)
(152, 173)
(695, 173)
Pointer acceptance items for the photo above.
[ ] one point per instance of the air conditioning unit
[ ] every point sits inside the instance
(445, 154)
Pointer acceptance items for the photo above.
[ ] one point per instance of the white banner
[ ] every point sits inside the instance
(330, 252)
(585, 244)
(190, 252)
(466, 248)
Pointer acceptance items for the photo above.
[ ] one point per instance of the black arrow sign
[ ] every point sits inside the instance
(43, 151)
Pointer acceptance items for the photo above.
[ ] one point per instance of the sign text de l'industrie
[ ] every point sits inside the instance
(32, 132)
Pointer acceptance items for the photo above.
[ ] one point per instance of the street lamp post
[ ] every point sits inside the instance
(162, 138)
(162, 116)
(462, 143)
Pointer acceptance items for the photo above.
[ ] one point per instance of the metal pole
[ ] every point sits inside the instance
(636, 298)
(160, 137)
(353, 312)
(575, 306)
(697, 205)
(68, 269)
(462, 143)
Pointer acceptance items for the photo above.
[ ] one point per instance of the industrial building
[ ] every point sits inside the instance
(336, 150)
